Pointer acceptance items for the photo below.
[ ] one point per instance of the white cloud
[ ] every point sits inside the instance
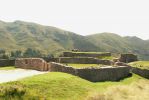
(124, 17)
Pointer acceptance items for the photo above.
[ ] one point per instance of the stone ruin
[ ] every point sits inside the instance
(83, 54)
(108, 73)
(32, 63)
(128, 58)
(92, 74)
(6, 62)
(83, 60)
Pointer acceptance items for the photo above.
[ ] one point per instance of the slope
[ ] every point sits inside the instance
(115, 43)
(22, 35)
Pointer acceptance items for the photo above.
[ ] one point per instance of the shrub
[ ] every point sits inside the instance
(14, 90)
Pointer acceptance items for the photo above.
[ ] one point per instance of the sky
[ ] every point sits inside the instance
(85, 17)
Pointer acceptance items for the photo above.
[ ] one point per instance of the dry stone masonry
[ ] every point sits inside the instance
(32, 63)
(6, 62)
(83, 54)
(108, 73)
(83, 60)
(128, 58)
(142, 72)
(93, 74)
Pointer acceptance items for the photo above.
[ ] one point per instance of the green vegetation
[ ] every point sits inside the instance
(140, 64)
(84, 65)
(91, 52)
(125, 92)
(114, 43)
(3, 54)
(106, 57)
(62, 86)
(8, 68)
(21, 35)
(29, 52)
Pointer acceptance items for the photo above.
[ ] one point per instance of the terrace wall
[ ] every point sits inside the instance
(32, 63)
(6, 62)
(76, 54)
(57, 67)
(93, 74)
(141, 72)
(128, 58)
(83, 60)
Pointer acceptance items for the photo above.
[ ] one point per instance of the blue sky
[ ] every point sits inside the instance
(124, 17)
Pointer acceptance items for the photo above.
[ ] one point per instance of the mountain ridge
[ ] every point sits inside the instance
(19, 35)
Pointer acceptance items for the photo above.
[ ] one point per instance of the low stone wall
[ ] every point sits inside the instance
(104, 74)
(83, 60)
(32, 63)
(93, 74)
(6, 62)
(141, 72)
(57, 67)
(128, 58)
(75, 54)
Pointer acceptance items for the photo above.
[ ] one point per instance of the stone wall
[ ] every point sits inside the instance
(6, 62)
(57, 67)
(141, 72)
(93, 74)
(83, 60)
(76, 54)
(32, 63)
(128, 58)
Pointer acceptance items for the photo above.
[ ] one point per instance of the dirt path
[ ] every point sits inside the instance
(12, 75)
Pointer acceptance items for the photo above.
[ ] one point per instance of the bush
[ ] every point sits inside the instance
(14, 90)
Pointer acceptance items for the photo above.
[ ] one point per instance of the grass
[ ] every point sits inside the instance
(106, 57)
(83, 65)
(62, 86)
(140, 64)
(138, 90)
(90, 52)
(8, 68)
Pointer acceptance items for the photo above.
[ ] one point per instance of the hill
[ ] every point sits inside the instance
(20, 35)
(115, 43)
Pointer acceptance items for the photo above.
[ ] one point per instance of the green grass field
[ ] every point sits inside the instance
(140, 64)
(90, 52)
(84, 65)
(62, 86)
(8, 68)
(107, 57)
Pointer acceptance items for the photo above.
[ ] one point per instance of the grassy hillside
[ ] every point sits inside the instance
(62, 86)
(21, 35)
(109, 42)
(115, 43)
(139, 46)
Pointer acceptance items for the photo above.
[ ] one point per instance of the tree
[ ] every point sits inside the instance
(2, 51)
(3, 54)
(16, 54)
(29, 52)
